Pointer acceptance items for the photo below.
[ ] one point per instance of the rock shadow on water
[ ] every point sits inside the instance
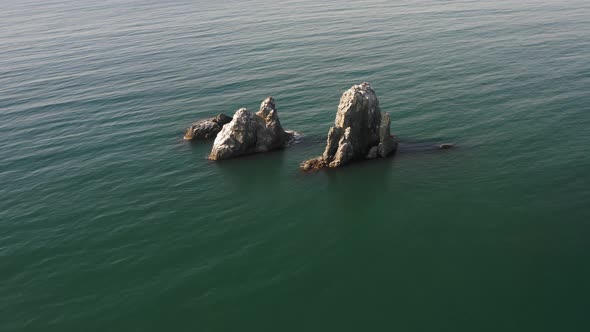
(357, 187)
(362, 183)
(254, 173)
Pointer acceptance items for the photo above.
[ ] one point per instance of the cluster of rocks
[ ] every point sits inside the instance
(360, 132)
(245, 133)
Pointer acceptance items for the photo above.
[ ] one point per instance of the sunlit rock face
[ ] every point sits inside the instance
(251, 133)
(360, 131)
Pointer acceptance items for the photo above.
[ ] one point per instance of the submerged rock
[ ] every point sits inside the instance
(360, 131)
(445, 146)
(251, 133)
(205, 129)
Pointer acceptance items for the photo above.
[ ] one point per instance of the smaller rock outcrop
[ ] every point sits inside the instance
(251, 133)
(313, 164)
(205, 129)
(270, 135)
(360, 131)
(387, 144)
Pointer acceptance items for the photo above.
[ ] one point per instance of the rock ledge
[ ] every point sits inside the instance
(205, 129)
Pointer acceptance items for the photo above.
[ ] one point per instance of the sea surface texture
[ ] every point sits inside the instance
(109, 221)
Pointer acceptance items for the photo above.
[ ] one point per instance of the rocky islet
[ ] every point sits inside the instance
(361, 131)
(249, 133)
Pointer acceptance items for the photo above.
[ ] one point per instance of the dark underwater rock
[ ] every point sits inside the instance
(445, 146)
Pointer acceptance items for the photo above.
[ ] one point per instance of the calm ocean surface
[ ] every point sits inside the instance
(110, 222)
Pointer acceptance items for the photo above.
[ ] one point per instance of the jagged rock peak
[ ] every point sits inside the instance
(360, 131)
(251, 133)
(268, 109)
(270, 133)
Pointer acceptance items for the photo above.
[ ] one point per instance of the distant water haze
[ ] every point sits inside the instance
(109, 221)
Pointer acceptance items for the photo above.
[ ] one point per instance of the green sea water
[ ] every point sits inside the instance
(110, 222)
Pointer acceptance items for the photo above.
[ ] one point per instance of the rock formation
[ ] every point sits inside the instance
(208, 128)
(359, 132)
(251, 133)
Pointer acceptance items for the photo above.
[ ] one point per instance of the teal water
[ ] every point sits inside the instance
(110, 222)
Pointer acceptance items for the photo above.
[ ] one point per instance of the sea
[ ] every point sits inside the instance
(110, 221)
